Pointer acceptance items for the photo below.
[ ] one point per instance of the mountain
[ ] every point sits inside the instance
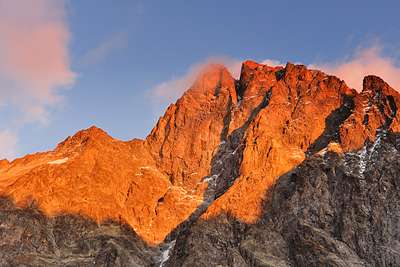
(284, 167)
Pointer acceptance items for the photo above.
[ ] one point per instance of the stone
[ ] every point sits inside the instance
(284, 167)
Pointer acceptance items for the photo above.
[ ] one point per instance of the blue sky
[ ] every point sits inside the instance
(68, 65)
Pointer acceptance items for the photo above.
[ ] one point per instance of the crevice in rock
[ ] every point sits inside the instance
(229, 153)
(332, 123)
(280, 74)
(393, 109)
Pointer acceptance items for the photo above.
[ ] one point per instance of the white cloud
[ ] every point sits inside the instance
(272, 63)
(364, 61)
(113, 44)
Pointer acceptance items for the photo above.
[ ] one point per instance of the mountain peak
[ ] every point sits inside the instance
(92, 131)
(375, 84)
(211, 80)
(86, 136)
(374, 108)
(373, 81)
(249, 64)
(297, 72)
(219, 151)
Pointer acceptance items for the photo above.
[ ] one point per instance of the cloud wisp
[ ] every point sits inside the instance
(272, 63)
(8, 143)
(34, 64)
(113, 44)
(365, 61)
(169, 91)
(165, 93)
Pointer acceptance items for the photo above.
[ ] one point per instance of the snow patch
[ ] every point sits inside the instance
(378, 139)
(250, 97)
(363, 157)
(212, 179)
(372, 151)
(373, 98)
(322, 152)
(148, 168)
(166, 253)
(239, 101)
(58, 161)
(234, 152)
(295, 153)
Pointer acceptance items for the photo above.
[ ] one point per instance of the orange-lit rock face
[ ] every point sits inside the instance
(375, 106)
(90, 174)
(296, 105)
(94, 175)
(184, 140)
(223, 139)
(306, 111)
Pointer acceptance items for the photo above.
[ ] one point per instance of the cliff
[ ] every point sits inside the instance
(284, 167)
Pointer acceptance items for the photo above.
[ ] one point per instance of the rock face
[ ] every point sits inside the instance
(30, 238)
(328, 211)
(284, 167)
(93, 175)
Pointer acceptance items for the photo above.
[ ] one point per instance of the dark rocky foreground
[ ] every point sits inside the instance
(329, 211)
(29, 238)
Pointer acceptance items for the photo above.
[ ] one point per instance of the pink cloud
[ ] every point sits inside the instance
(8, 145)
(34, 65)
(169, 91)
(365, 61)
(34, 59)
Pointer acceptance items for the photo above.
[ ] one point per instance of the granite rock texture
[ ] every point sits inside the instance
(285, 166)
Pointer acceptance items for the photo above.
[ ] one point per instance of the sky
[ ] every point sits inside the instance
(66, 65)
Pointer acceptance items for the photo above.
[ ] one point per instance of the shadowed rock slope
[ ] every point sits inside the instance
(284, 167)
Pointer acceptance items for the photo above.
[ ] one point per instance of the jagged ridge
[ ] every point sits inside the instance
(219, 150)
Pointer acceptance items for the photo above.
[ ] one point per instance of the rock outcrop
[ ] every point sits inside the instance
(330, 210)
(284, 167)
(30, 238)
(93, 175)
(338, 207)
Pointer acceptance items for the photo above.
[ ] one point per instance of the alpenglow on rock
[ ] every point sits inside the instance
(284, 167)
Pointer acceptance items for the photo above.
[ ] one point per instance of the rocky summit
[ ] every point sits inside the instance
(285, 166)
